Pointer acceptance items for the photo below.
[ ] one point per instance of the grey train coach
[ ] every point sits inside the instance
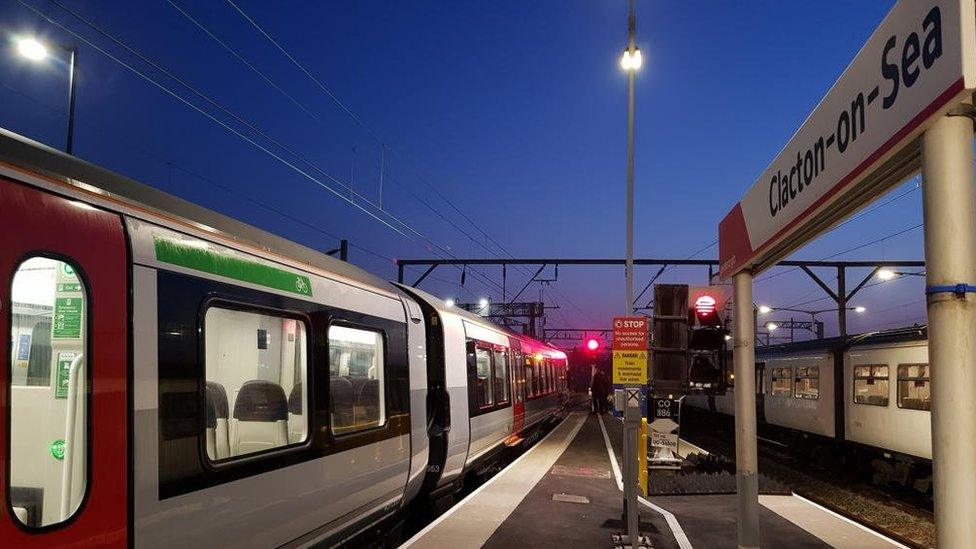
(176, 378)
(860, 403)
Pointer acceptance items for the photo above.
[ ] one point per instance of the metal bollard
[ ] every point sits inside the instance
(642, 456)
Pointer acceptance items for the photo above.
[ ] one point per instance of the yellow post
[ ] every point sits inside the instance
(642, 456)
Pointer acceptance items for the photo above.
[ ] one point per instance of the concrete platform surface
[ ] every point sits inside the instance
(565, 492)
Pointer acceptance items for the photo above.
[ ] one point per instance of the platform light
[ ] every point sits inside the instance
(631, 61)
(860, 309)
(771, 326)
(886, 274)
(449, 303)
(765, 309)
(592, 344)
(31, 49)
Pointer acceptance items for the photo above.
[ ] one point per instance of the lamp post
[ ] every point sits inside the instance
(630, 61)
(36, 51)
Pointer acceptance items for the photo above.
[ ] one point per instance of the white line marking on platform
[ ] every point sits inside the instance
(852, 522)
(679, 534)
(565, 444)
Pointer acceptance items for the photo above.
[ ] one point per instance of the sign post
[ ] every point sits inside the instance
(629, 348)
(664, 423)
(904, 102)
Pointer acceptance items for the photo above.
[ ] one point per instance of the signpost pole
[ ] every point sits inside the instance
(744, 359)
(632, 418)
(950, 256)
(630, 370)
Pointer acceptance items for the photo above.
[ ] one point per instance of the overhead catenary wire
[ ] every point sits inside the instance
(54, 111)
(369, 130)
(213, 118)
(322, 86)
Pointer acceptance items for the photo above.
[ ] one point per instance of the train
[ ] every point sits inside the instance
(177, 378)
(861, 402)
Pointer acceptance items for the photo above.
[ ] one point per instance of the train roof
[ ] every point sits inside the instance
(24, 153)
(898, 335)
(441, 307)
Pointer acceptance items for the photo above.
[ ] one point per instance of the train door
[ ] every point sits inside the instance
(63, 409)
(518, 394)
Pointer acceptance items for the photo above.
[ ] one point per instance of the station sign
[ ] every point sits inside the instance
(629, 349)
(919, 64)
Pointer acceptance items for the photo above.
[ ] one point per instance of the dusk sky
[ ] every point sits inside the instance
(513, 111)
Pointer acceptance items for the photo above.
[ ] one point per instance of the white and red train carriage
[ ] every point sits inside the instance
(174, 377)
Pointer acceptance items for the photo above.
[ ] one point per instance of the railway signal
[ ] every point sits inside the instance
(592, 345)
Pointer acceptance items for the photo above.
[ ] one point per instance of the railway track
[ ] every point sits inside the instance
(904, 521)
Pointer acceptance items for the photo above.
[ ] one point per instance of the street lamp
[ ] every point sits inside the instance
(31, 49)
(887, 274)
(36, 51)
(771, 326)
(764, 309)
(631, 60)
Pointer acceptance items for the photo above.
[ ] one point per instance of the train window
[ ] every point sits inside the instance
(483, 381)
(781, 382)
(914, 387)
(871, 384)
(500, 362)
(807, 383)
(255, 364)
(530, 377)
(549, 376)
(357, 393)
(48, 462)
(517, 361)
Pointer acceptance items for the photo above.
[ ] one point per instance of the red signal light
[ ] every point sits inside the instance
(705, 306)
(592, 344)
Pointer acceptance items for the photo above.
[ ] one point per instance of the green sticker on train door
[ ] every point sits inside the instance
(67, 318)
(57, 449)
(61, 380)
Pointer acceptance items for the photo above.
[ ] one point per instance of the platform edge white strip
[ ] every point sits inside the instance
(676, 530)
(852, 522)
(565, 444)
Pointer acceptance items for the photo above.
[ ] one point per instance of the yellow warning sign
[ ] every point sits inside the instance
(630, 367)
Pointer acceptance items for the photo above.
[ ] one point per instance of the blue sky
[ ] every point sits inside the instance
(514, 111)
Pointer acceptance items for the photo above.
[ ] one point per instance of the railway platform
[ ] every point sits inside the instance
(566, 492)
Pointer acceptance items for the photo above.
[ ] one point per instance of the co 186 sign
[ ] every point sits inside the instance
(630, 350)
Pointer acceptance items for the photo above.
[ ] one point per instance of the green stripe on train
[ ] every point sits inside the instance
(174, 253)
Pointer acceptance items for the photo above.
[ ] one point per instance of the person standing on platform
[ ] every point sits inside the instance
(600, 390)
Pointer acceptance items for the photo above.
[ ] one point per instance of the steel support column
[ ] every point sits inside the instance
(842, 301)
(746, 463)
(950, 254)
